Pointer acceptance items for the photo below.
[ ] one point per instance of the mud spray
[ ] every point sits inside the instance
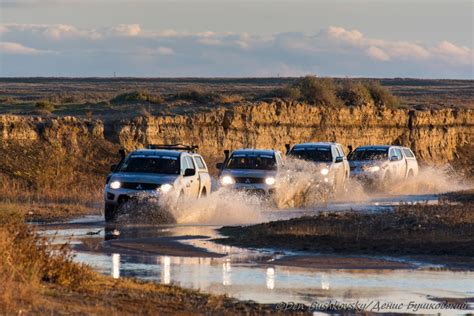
(296, 188)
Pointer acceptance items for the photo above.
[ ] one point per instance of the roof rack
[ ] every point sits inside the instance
(190, 148)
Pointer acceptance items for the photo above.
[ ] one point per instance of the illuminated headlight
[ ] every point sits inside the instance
(165, 188)
(270, 180)
(227, 180)
(115, 185)
(374, 169)
(324, 171)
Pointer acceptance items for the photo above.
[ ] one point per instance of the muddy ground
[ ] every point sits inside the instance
(443, 231)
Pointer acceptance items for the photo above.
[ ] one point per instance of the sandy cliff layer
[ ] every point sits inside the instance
(435, 136)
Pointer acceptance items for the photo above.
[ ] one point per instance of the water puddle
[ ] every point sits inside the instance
(185, 255)
(156, 253)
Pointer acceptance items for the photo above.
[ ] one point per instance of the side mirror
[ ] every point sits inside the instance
(339, 159)
(112, 168)
(394, 158)
(219, 165)
(189, 172)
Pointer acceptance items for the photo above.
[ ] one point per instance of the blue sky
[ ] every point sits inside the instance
(226, 38)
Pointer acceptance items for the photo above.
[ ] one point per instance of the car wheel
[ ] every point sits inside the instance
(410, 174)
(203, 192)
(109, 212)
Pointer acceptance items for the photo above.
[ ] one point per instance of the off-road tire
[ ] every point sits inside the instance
(109, 212)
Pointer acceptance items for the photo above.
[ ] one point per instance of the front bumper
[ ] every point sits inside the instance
(367, 176)
(259, 188)
(119, 196)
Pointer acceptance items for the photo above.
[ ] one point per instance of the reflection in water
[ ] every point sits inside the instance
(166, 270)
(116, 265)
(246, 274)
(226, 272)
(324, 282)
(270, 278)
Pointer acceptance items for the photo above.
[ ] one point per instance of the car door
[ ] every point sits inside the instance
(337, 167)
(345, 163)
(395, 162)
(192, 182)
(402, 165)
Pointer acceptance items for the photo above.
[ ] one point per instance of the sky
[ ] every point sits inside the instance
(228, 38)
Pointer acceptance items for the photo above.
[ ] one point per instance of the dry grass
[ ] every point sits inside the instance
(29, 260)
(39, 278)
(42, 172)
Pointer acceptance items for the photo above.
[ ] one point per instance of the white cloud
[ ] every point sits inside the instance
(377, 53)
(165, 51)
(338, 33)
(17, 49)
(455, 54)
(126, 30)
(334, 50)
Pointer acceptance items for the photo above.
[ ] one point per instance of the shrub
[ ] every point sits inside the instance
(6, 99)
(288, 92)
(138, 96)
(45, 105)
(230, 98)
(29, 258)
(381, 95)
(321, 91)
(197, 94)
(354, 94)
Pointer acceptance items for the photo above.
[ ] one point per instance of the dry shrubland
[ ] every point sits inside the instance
(326, 92)
(39, 171)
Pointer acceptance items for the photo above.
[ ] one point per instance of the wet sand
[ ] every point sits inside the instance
(341, 262)
(165, 246)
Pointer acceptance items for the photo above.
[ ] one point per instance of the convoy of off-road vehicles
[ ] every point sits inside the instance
(177, 171)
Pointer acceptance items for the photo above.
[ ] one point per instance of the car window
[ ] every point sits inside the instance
(318, 154)
(369, 154)
(408, 153)
(341, 151)
(262, 162)
(151, 164)
(190, 162)
(184, 164)
(396, 152)
(200, 162)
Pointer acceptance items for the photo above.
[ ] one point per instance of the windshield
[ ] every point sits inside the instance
(156, 164)
(252, 162)
(322, 154)
(369, 154)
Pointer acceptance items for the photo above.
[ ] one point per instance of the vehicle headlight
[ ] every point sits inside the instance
(227, 180)
(324, 171)
(115, 185)
(165, 188)
(270, 180)
(374, 168)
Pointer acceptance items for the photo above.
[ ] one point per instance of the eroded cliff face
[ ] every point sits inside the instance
(435, 136)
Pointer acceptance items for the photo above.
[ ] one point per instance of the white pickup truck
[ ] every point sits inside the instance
(251, 170)
(331, 159)
(382, 164)
(174, 170)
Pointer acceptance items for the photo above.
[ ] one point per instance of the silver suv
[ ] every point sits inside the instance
(334, 168)
(253, 170)
(382, 164)
(174, 170)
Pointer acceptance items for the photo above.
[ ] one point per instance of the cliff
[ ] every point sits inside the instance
(435, 136)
